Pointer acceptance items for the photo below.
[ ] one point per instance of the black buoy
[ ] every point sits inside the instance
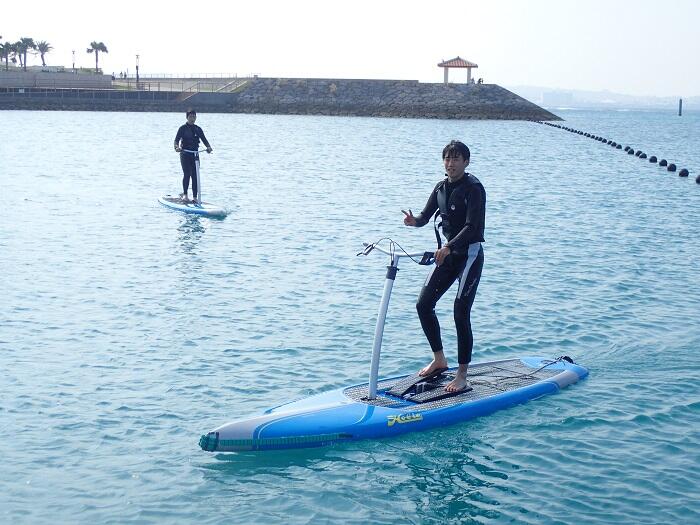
(627, 148)
(652, 158)
(638, 153)
(613, 144)
(683, 173)
(643, 156)
(605, 141)
(630, 151)
(697, 179)
(618, 146)
(662, 162)
(671, 167)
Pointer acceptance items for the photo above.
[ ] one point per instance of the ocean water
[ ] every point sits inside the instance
(128, 330)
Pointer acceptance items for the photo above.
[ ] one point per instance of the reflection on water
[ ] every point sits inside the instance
(410, 477)
(190, 232)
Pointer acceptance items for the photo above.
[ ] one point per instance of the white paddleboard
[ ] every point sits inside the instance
(174, 202)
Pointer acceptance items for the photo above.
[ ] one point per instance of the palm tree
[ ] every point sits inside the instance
(17, 52)
(12, 50)
(5, 54)
(96, 47)
(25, 44)
(9, 54)
(43, 47)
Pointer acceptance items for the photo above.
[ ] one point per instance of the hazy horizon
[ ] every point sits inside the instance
(635, 48)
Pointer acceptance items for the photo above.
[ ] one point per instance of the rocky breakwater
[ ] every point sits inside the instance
(383, 98)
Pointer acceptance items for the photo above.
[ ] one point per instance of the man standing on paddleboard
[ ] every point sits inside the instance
(187, 143)
(460, 203)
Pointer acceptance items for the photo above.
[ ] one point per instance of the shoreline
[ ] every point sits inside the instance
(293, 96)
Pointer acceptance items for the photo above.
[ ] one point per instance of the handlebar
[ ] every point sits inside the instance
(371, 246)
(425, 257)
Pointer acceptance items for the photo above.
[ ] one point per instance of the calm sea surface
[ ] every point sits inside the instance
(128, 330)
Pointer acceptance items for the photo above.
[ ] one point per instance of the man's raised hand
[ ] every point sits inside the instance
(409, 219)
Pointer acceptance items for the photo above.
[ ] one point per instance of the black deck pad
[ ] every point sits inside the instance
(404, 385)
(436, 394)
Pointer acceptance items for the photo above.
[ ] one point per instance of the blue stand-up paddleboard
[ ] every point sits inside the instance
(196, 205)
(394, 406)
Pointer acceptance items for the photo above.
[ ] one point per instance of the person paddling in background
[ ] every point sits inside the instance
(187, 143)
(460, 200)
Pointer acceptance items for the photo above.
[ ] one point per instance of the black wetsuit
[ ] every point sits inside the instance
(190, 135)
(462, 208)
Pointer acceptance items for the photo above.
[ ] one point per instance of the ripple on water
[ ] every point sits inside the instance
(131, 330)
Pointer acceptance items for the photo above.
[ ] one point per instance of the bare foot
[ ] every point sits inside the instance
(435, 364)
(458, 384)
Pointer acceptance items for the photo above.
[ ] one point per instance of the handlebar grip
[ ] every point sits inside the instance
(428, 259)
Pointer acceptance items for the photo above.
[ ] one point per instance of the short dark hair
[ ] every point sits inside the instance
(190, 112)
(454, 148)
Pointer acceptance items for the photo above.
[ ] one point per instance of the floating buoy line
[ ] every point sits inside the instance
(670, 166)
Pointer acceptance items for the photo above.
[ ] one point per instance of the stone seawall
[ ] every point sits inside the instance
(300, 96)
(385, 98)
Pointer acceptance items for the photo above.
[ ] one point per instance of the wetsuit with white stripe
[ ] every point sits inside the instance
(462, 207)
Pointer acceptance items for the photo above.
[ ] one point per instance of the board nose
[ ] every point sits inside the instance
(209, 442)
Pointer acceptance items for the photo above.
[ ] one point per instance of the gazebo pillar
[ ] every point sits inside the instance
(446, 70)
(469, 75)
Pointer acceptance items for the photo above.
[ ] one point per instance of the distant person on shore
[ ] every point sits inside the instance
(187, 143)
(460, 201)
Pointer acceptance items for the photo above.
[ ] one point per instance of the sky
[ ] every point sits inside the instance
(635, 47)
